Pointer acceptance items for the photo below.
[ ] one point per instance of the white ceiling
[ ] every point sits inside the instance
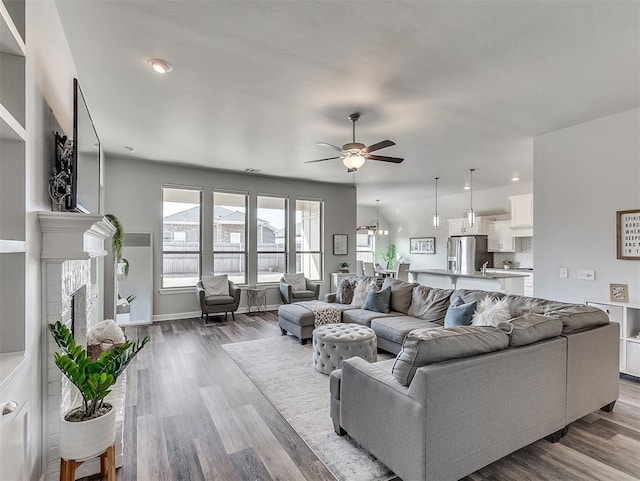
(456, 84)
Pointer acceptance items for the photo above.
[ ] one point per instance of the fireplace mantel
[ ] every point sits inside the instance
(73, 236)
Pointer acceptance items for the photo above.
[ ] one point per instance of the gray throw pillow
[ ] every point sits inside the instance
(429, 303)
(400, 293)
(531, 328)
(460, 315)
(345, 291)
(378, 301)
(427, 346)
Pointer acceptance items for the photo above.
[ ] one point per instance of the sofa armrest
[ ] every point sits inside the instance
(312, 286)
(286, 292)
(200, 293)
(234, 291)
(330, 298)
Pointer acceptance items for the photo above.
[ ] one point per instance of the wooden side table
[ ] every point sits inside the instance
(107, 466)
(256, 299)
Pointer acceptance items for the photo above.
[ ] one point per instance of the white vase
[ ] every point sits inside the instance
(86, 439)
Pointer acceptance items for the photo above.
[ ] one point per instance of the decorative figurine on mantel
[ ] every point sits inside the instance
(60, 181)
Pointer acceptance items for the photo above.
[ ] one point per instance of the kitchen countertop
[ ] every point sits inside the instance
(474, 275)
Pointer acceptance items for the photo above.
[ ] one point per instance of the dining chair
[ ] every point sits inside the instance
(368, 269)
(402, 269)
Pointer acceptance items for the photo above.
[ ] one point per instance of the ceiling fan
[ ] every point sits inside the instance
(355, 154)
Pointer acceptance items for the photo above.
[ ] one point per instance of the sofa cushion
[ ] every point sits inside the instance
(531, 328)
(465, 296)
(429, 303)
(215, 285)
(461, 315)
(378, 301)
(297, 281)
(361, 291)
(427, 346)
(400, 293)
(577, 317)
(395, 329)
(491, 312)
(362, 317)
(344, 295)
(519, 305)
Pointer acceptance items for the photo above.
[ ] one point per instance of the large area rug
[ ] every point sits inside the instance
(281, 368)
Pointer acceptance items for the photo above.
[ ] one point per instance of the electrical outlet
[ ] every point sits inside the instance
(564, 272)
(587, 274)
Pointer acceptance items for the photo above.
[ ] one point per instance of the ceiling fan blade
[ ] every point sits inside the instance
(321, 160)
(384, 158)
(331, 146)
(380, 145)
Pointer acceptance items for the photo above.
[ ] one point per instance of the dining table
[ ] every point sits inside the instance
(385, 272)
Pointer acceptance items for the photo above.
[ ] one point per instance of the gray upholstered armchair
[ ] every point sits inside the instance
(289, 294)
(218, 304)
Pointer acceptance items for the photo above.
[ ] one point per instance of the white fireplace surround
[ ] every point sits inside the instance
(72, 244)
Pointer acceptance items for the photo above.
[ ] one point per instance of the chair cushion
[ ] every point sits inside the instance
(218, 300)
(215, 285)
(531, 328)
(460, 315)
(427, 346)
(400, 293)
(378, 301)
(303, 294)
(297, 281)
(429, 303)
(395, 329)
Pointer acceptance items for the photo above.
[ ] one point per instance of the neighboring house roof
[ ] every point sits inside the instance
(221, 215)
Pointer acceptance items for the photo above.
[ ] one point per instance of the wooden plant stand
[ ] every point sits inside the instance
(107, 466)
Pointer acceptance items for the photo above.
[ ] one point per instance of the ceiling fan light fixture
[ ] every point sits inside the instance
(160, 66)
(353, 159)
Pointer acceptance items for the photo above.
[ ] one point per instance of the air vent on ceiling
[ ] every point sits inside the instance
(252, 171)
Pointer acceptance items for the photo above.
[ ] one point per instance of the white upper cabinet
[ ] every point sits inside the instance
(500, 237)
(522, 215)
(459, 227)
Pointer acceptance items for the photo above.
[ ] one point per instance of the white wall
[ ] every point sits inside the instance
(582, 175)
(133, 193)
(413, 219)
(49, 88)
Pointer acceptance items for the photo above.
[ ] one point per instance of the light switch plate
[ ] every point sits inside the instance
(587, 274)
(564, 272)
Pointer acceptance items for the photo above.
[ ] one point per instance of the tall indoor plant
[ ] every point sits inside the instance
(89, 429)
(389, 255)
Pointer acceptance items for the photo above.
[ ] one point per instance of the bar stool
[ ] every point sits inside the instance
(107, 465)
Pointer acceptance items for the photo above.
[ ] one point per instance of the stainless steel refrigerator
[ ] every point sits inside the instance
(468, 253)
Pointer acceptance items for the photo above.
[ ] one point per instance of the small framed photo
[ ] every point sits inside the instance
(422, 245)
(340, 244)
(619, 292)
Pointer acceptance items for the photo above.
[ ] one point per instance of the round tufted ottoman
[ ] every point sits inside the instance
(333, 343)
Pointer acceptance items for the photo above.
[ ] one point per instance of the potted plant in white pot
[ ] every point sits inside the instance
(89, 429)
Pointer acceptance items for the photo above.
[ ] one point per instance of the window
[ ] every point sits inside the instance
(230, 235)
(366, 247)
(180, 236)
(309, 238)
(272, 238)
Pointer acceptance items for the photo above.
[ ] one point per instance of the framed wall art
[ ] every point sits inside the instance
(619, 292)
(628, 234)
(422, 245)
(340, 244)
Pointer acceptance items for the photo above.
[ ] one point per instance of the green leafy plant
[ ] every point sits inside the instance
(344, 265)
(389, 255)
(93, 379)
(506, 262)
(118, 238)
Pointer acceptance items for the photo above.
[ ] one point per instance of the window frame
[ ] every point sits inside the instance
(286, 250)
(246, 232)
(372, 251)
(164, 252)
(320, 251)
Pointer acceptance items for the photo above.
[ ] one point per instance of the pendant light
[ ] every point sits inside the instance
(379, 231)
(435, 218)
(471, 215)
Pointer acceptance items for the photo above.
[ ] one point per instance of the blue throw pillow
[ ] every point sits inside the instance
(460, 315)
(378, 301)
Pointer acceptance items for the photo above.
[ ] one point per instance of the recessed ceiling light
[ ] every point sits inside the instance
(160, 66)
(466, 187)
(515, 178)
(130, 149)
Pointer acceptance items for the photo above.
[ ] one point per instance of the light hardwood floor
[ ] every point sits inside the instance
(192, 414)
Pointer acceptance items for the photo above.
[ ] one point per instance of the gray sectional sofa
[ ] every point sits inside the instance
(455, 400)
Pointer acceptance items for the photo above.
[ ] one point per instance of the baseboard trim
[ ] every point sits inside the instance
(192, 314)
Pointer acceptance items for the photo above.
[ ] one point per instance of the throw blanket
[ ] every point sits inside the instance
(323, 312)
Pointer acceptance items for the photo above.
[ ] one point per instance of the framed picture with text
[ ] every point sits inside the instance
(422, 245)
(340, 244)
(628, 234)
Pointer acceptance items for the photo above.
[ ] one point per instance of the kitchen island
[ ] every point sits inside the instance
(507, 282)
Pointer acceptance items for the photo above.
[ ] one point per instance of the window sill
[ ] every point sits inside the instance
(177, 290)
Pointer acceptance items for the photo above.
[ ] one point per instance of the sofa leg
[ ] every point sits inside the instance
(609, 407)
(339, 430)
(303, 342)
(283, 332)
(555, 437)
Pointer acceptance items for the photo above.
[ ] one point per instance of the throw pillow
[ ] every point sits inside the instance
(215, 285)
(400, 293)
(429, 303)
(460, 315)
(491, 312)
(345, 291)
(378, 301)
(297, 281)
(531, 328)
(360, 293)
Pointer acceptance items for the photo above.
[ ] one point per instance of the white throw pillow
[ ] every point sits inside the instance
(491, 312)
(216, 285)
(297, 281)
(361, 291)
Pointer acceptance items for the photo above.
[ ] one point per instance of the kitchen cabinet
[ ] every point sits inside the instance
(500, 237)
(460, 227)
(627, 314)
(522, 215)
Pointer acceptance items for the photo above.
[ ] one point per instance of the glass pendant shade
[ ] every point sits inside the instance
(471, 215)
(435, 221)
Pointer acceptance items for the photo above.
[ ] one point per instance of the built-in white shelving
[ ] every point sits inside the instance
(10, 128)
(8, 246)
(11, 40)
